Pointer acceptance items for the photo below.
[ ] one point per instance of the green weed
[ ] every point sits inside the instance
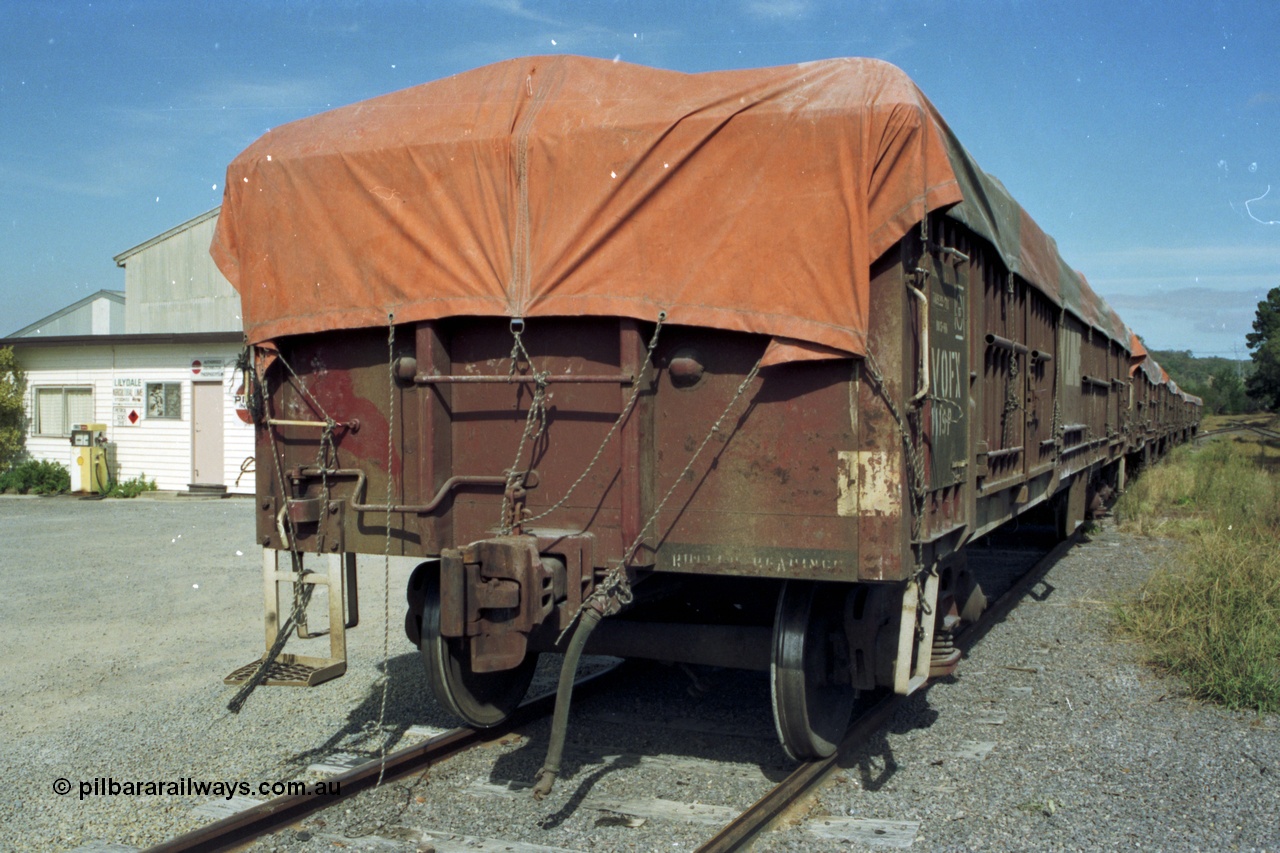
(131, 488)
(1212, 617)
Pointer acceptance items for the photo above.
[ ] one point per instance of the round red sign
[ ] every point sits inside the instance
(242, 408)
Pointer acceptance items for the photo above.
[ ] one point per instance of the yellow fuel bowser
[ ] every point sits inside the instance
(89, 459)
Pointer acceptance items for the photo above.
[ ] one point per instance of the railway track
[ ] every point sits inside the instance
(756, 820)
(260, 820)
(746, 827)
(1238, 426)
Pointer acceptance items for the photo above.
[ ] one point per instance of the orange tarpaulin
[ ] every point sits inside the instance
(1136, 350)
(743, 200)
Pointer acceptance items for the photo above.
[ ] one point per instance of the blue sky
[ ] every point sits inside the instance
(1145, 137)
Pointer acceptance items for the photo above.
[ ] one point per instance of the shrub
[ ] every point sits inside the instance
(131, 488)
(39, 476)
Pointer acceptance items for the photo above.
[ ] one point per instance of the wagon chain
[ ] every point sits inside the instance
(622, 416)
(325, 448)
(915, 462)
(306, 392)
(513, 473)
(614, 591)
(282, 636)
(535, 423)
(253, 395)
(1011, 401)
(1059, 435)
(385, 677)
(326, 445)
(915, 465)
(301, 592)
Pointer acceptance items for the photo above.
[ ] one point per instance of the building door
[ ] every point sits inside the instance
(206, 434)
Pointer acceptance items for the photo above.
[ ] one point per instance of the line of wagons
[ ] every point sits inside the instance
(722, 369)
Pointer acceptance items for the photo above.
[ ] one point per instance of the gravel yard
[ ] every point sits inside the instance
(1053, 736)
(124, 616)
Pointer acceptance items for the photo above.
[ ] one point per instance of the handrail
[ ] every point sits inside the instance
(1005, 344)
(443, 492)
(520, 379)
(923, 389)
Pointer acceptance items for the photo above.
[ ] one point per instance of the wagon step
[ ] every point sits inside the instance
(289, 670)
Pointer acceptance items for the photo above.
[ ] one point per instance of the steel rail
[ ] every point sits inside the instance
(1262, 431)
(747, 827)
(756, 820)
(252, 823)
(243, 827)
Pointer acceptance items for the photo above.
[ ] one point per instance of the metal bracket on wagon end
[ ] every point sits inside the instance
(497, 591)
(915, 636)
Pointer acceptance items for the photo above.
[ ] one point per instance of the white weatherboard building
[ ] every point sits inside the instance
(155, 365)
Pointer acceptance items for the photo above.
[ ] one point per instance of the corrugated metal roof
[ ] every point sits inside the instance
(110, 340)
(124, 256)
(63, 319)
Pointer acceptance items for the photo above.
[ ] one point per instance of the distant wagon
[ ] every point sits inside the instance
(719, 368)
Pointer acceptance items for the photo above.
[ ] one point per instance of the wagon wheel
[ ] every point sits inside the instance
(482, 699)
(809, 672)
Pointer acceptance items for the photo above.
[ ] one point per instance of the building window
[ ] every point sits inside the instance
(164, 400)
(58, 408)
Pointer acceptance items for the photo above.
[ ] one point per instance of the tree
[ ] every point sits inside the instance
(1225, 395)
(1264, 341)
(13, 426)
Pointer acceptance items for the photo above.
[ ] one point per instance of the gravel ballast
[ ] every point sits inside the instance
(123, 617)
(1053, 735)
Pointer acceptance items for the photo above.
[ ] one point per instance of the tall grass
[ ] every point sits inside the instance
(1212, 616)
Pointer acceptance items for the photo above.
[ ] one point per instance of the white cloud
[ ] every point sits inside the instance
(1181, 256)
(298, 95)
(516, 9)
(1200, 319)
(147, 147)
(60, 183)
(775, 9)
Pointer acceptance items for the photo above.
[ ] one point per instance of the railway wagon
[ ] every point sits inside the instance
(1160, 414)
(721, 368)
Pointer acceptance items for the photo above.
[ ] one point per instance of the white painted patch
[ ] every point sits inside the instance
(424, 732)
(218, 809)
(992, 718)
(861, 830)
(395, 839)
(973, 750)
(505, 788)
(449, 843)
(649, 808)
(879, 483)
(686, 766)
(846, 483)
(657, 809)
(339, 762)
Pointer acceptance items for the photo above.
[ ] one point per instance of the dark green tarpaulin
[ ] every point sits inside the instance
(1027, 251)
